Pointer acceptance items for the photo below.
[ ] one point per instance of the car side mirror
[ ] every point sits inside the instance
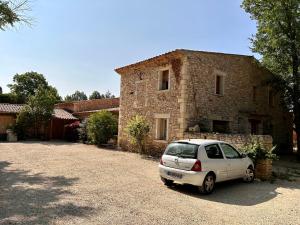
(243, 155)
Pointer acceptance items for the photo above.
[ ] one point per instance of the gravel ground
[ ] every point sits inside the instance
(62, 183)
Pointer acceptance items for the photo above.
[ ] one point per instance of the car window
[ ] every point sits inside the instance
(230, 152)
(213, 152)
(183, 150)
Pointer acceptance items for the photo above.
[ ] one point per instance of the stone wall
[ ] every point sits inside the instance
(237, 105)
(237, 140)
(140, 96)
(89, 105)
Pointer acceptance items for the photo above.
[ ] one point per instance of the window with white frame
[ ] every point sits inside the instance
(164, 80)
(219, 85)
(161, 128)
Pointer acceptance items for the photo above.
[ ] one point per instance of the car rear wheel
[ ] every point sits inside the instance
(208, 185)
(249, 175)
(167, 182)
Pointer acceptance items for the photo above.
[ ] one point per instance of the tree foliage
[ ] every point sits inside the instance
(37, 113)
(278, 41)
(9, 98)
(101, 126)
(27, 84)
(77, 96)
(12, 12)
(138, 129)
(97, 95)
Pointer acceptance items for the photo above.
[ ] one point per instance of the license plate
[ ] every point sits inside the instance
(177, 175)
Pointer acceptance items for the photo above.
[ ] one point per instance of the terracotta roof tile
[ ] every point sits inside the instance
(63, 114)
(10, 108)
(16, 108)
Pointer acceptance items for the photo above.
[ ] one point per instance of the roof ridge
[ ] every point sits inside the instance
(118, 70)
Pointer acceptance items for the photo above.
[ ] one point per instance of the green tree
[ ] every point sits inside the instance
(27, 84)
(108, 94)
(101, 126)
(38, 111)
(138, 129)
(95, 95)
(278, 41)
(12, 12)
(77, 96)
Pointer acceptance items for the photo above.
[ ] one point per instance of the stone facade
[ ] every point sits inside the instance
(211, 92)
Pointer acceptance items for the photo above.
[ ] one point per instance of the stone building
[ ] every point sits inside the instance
(187, 93)
(83, 109)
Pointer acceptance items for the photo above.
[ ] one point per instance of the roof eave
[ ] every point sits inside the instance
(162, 57)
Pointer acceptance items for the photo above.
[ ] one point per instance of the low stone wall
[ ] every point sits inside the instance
(156, 148)
(153, 148)
(237, 140)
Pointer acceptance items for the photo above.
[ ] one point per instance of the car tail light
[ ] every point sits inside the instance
(161, 161)
(197, 166)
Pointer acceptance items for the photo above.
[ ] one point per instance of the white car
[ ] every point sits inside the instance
(202, 163)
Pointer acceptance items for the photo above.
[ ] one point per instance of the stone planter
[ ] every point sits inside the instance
(263, 169)
(11, 136)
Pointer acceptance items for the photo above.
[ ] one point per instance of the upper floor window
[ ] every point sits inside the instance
(164, 78)
(219, 90)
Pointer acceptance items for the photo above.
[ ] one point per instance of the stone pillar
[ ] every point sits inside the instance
(183, 99)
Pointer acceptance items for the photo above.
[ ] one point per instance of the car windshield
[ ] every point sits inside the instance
(183, 150)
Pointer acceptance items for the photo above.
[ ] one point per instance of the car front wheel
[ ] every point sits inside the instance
(249, 175)
(208, 184)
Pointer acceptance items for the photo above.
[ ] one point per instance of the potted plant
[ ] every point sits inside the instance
(262, 158)
(10, 132)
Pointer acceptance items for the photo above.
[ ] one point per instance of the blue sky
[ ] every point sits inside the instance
(77, 44)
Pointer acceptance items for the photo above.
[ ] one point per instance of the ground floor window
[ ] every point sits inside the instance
(254, 125)
(220, 126)
(161, 129)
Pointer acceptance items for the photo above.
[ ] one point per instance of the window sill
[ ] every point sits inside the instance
(219, 95)
(163, 91)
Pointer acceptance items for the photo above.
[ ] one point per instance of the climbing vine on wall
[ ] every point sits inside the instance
(176, 67)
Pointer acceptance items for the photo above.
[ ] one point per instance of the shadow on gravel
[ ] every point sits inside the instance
(238, 193)
(47, 143)
(34, 199)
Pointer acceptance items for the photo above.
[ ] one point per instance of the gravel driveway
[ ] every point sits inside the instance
(63, 183)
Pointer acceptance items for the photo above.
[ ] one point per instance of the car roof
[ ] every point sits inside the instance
(200, 141)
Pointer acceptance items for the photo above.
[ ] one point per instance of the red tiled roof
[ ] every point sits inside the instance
(10, 108)
(16, 108)
(63, 114)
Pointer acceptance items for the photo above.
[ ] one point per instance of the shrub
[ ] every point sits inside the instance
(256, 151)
(82, 131)
(138, 130)
(71, 131)
(24, 122)
(101, 126)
